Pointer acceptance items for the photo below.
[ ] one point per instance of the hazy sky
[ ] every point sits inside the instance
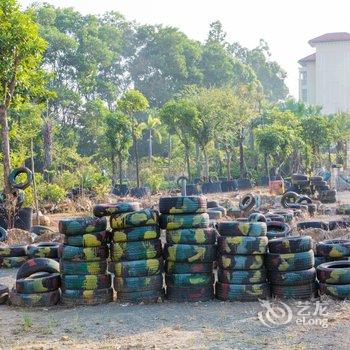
(286, 25)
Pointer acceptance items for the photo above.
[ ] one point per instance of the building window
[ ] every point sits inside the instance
(304, 95)
(303, 77)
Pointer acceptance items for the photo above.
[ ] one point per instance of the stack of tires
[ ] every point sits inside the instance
(290, 264)
(83, 261)
(190, 249)
(215, 210)
(334, 279)
(241, 273)
(332, 250)
(325, 194)
(13, 256)
(300, 184)
(44, 250)
(136, 253)
(37, 284)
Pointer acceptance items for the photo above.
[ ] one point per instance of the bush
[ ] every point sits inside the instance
(52, 193)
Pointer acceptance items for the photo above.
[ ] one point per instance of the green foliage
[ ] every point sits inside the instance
(51, 192)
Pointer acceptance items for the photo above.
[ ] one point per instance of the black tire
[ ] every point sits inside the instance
(39, 283)
(23, 220)
(312, 208)
(292, 278)
(303, 291)
(275, 217)
(140, 192)
(244, 184)
(4, 294)
(18, 171)
(183, 205)
(338, 224)
(37, 265)
(43, 250)
(39, 230)
(211, 187)
(257, 217)
(247, 202)
(181, 179)
(298, 177)
(304, 225)
(276, 229)
(290, 261)
(303, 199)
(289, 198)
(229, 185)
(292, 244)
(214, 214)
(213, 204)
(189, 279)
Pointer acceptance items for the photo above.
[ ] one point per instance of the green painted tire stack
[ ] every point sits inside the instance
(332, 250)
(190, 249)
(83, 262)
(136, 253)
(13, 256)
(290, 263)
(241, 270)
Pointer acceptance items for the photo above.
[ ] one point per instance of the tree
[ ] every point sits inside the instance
(130, 103)
(20, 56)
(152, 125)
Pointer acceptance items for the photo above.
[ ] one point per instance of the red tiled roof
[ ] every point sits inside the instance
(310, 58)
(329, 37)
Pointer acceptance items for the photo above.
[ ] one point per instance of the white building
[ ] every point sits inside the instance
(324, 76)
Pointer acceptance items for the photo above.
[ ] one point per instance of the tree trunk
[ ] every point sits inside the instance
(5, 145)
(228, 164)
(120, 161)
(136, 151)
(242, 169)
(170, 151)
(114, 170)
(266, 163)
(187, 159)
(150, 148)
(206, 160)
(198, 161)
(47, 132)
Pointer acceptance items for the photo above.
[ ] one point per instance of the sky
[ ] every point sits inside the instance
(286, 25)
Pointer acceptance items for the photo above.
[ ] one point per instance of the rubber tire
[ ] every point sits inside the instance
(3, 234)
(242, 277)
(43, 250)
(190, 253)
(183, 205)
(304, 291)
(189, 279)
(72, 253)
(292, 244)
(13, 251)
(175, 222)
(290, 262)
(304, 225)
(37, 265)
(145, 217)
(81, 226)
(242, 292)
(22, 185)
(86, 282)
(83, 268)
(89, 240)
(183, 267)
(39, 283)
(335, 272)
(192, 236)
(101, 210)
(247, 202)
(333, 248)
(241, 262)
(35, 300)
(289, 198)
(138, 284)
(292, 278)
(144, 297)
(237, 228)
(86, 297)
(190, 294)
(242, 245)
(138, 268)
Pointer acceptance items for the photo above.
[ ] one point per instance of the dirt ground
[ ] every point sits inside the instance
(211, 325)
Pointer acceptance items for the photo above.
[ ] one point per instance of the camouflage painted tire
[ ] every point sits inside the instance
(146, 296)
(214, 214)
(292, 278)
(276, 229)
(86, 282)
(242, 245)
(81, 226)
(190, 294)
(241, 262)
(190, 253)
(337, 291)
(192, 236)
(288, 215)
(220, 209)
(183, 205)
(83, 268)
(292, 244)
(136, 250)
(43, 250)
(117, 208)
(136, 234)
(89, 240)
(38, 265)
(189, 279)
(184, 267)
(72, 253)
(87, 297)
(303, 291)
(336, 272)
(146, 217)
(290, 262)
(320, 260)
(4, 294)
(138, 268)
(39, 283)
(343, 209)
(3, 234)
(35, 299)
(13, 250)
(175, 222)
(333, 248)
(238, 228)
(14, 262)
(242, 292)
(242, 277)
(256, 217)
(137, 284)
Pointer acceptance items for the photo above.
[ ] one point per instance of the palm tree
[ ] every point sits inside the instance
(152, 125)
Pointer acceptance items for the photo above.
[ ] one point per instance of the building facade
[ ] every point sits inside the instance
(324, 76)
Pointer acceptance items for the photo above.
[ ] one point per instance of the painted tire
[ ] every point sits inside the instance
(89, 240)
(276, 229)
(288, 215)
(192, 236)
(81, 226)
(333, 248)
(241, 262)
(87, 297)
(241, 292)
(289, 198)
(292, 278)
(183, 267)
(72, 253)
(86, 282)
(4, 294)
(247, 202)
(135, 234)
(242, 245)
(238, 228)
(190, 294)
(183, 205)
(275, 217)
(38, 265)
(22, 185)
(320, 260)
(303, 291)
(292, 244)
(336, 291)
(3, 234)
(13, 250)
(214, 214)
(190, 253)
(256, 217)
(336, 272)
(14, 262)
(117, 208)
(138, 268)
(138, 284)
(83, 268)
(212, 204)
(43, 250)
(175, 222)
(146, 217)
(146, 296)
(39, 283)
(290, 262)
(35, 300)
(136, 250)
(242, 277)
(220, 209)
(304, 225)
(189, 279)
